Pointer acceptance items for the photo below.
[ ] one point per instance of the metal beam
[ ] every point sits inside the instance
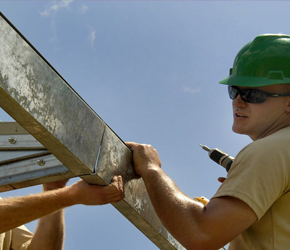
(43, 103)
(32, 171)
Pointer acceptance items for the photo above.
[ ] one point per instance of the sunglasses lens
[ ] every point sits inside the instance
(254, 96)
(247, 95)
(233, 93)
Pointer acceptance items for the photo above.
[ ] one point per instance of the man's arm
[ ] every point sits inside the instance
(18, 211)
(50, 232)
(50, 229)
(194, 225)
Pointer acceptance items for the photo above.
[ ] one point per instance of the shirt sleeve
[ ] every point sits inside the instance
(258, 176)
(21, 238)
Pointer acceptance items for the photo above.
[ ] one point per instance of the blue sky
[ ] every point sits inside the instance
(150, 69)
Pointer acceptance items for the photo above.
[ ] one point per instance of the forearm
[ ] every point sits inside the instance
(50, 232)
(18, 211)
(180, 214)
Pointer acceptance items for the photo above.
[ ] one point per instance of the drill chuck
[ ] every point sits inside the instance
(219, 157)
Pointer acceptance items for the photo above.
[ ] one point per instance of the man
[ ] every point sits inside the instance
(48, 206)
(251, 208)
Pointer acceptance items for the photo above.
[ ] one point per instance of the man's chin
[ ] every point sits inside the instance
(238, 130)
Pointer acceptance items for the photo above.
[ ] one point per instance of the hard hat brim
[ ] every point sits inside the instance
(250, 81)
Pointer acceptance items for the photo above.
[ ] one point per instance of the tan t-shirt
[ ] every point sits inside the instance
(16, 239)
(260, 176)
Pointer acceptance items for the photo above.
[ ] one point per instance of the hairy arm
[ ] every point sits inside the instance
(20, 210)
(194, 225)
(50, 231)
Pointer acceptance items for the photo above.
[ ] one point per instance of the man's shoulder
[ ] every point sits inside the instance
(274, 144)
(279, 139)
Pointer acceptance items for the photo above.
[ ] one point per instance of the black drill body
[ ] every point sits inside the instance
(219, 157)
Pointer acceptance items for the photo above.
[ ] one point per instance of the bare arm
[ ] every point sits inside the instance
(50, 231)
(194, 225)
(18, 211)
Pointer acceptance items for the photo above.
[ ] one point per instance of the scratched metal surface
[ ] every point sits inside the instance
(115, 157)
(38, 98)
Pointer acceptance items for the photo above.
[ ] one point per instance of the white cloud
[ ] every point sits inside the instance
(57, 5)
(53, 30)
(51, 11)
(84, 9)
(92, 37)
(191, 90)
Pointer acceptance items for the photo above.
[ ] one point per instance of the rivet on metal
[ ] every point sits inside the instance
(12, 140)
(40, 162)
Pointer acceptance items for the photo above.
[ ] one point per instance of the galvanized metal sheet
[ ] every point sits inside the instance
(40, 100)
(7, 156)
(14, 142)
(29, 172)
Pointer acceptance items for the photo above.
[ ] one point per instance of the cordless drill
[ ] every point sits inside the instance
(219, 157)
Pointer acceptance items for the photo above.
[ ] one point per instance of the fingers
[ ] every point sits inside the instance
(145, 157)
(117, 188)
(132, 145)
(142, 150)
(89, 194)
(110, 194)
(54, 185)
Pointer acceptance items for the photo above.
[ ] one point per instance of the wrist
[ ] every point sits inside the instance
(149, 170)
(62, 195)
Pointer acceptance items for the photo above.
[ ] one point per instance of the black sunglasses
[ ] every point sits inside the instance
(251, 95)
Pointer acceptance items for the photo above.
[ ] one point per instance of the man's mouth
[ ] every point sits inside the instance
(240, 115)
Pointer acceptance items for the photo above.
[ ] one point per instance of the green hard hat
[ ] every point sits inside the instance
(261, 62)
